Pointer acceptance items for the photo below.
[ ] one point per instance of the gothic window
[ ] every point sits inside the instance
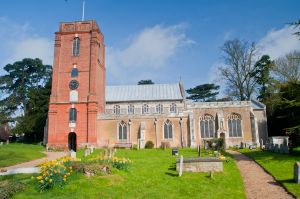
(72, 115)
(74, 72)
(131, 109)
(145, 109)
(168, 130)
(207, 126)
(76, 46)
(122, 131)
(173, 108)
(234, 125)
(117, 109)
(159, 108)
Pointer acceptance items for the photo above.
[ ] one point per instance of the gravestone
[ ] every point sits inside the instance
(180, 165)
(297, 172)
(199, 150)
(92, 149)
(86, 152)
(72, 154)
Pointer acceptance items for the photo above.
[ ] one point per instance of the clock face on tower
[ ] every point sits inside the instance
(73, 84)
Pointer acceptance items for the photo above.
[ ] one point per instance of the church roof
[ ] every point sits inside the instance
(148, 92)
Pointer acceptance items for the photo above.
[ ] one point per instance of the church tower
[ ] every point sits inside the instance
(78, 85)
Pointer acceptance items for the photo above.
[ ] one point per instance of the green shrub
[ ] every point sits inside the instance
(135, 147)
(215, 144)
(149, 145)
(9, 188)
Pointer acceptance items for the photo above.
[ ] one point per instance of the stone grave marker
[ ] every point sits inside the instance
(180, 165)
(73, 154)
(297, 172)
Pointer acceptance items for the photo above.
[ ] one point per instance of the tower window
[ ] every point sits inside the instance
(74, 72)
(76, 46)
(72, 115)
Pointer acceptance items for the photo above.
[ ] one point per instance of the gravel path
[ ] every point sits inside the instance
(33, 163)
(258, 183)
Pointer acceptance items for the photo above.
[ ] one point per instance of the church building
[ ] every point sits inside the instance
(84, 111)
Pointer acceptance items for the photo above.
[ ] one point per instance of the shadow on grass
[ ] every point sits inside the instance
(290, 181)
(172, 167)
(172, 174)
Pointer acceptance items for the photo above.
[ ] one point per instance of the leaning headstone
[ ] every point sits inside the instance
(180, 165)
(297, 172)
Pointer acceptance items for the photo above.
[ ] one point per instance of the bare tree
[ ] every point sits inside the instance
(287, 68)
(238, 71)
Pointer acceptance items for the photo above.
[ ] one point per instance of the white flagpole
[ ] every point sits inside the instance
(83, 3)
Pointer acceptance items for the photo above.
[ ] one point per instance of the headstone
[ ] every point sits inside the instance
(297, 172)
(92, 149)
(180, 165)
(7, 141)
(211, 173)
(175, 151)
(1, 143)
(85, 152)
(199, 151)
(73, 154)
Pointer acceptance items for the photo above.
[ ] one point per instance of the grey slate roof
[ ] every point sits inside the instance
(149, 92)
(257, 105)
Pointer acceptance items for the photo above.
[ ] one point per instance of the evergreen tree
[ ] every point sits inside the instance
(204, 92)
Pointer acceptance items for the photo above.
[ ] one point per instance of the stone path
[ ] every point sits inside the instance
(258, 183)
(30, 167)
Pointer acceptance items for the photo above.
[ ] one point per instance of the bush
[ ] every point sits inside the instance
(9, 188)
(135, 147)
(149, 145)
(54, 173)
(215, 144)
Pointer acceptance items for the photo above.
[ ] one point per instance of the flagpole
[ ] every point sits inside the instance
(83, 4)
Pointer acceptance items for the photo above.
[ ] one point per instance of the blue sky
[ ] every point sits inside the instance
(162, 40)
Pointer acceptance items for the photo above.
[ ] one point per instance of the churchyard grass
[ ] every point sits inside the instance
(281, 166)
(151, 174)
(14, 153)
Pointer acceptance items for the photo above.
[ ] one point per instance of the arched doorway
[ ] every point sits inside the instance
(72, 143)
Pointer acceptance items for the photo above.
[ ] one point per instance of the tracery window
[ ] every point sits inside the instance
(117, 109)
(168, 130)
(122, 131)
(159, 108)
(173, 108)
(234, 125)
(76, 46)
(145, 109)
(207, 126)
(131, 109)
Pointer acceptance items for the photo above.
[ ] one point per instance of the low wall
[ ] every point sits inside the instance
(200, 165)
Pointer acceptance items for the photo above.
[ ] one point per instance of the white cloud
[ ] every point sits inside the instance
(18, 42)
(277, 43)
(150, 49)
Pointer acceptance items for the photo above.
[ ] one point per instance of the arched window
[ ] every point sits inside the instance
(168, 131)
(145, 109)
(76, 46)
(72, 115)
(117, 109)
(173, 108)
(122, 131)
(159, 108)
(74, 72)
(234, 125)
(131, 109)
(207, 126)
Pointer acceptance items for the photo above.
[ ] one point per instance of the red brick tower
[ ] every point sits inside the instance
(78, 85)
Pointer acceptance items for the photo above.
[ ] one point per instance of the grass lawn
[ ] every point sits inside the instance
(15, 153)
(281, 166)
(151, 175)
